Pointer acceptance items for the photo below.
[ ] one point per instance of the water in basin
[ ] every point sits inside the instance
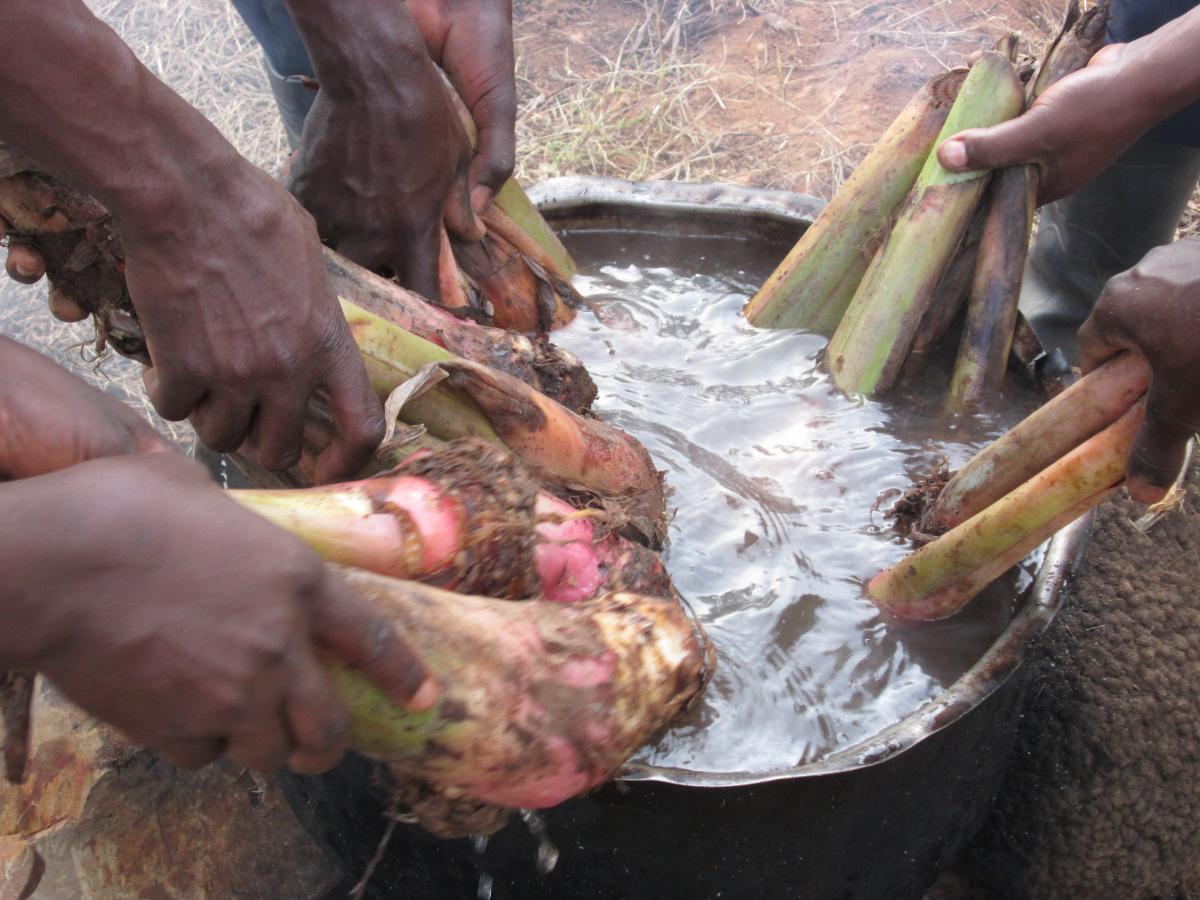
(774, 474)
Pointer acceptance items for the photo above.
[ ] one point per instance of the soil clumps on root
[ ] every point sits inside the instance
(907, 514)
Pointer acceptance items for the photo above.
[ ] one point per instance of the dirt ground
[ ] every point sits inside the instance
(773, 94)
(790, 94)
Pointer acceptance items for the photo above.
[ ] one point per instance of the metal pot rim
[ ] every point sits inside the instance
(1042, 600)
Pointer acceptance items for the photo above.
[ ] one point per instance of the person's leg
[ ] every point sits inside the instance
(288, 66)
(1105, 228)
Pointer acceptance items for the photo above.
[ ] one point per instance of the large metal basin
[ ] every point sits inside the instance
(876, 819)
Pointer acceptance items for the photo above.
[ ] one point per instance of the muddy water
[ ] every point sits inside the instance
(774, 475)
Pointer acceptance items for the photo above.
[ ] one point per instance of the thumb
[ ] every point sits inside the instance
(1158, 454)
(460, 219)
(1010, 143)
(495, 157)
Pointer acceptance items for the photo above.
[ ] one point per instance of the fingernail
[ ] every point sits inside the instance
(425, 697)
(24, 271)
(954, 155)
(480, 198)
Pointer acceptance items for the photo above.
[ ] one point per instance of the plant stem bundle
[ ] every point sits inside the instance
(1082, 410)
(938, 579)
(465, 517)
(813, 285)
(873, 339)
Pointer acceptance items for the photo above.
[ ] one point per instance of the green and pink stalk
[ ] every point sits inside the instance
(540, 701)
(464, 518)
(540, 364)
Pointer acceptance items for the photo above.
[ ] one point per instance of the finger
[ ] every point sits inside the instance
(1158, 454)
(222, 420)
(316, 718)
(417, 264)
(356, 633)
(173, 396)
(1011, 143)
(357, 417)
(458, 215)
(25, 264)
(192, 753)
(276, 436)
(263, 743)
(64, 308)
(1096, 344)
(495, 156)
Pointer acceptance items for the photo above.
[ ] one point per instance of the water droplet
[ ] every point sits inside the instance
(547, 854)
(479, 843)
(484, 891)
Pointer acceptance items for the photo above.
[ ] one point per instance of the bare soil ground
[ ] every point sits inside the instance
(772, 94)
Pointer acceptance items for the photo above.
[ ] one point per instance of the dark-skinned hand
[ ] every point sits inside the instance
(52, 420)
(243, 327)
(24, 264)
(1073, 132)
(1154, 309)
(196, 627)
(383, 157)
(472, 41)
(241, 324)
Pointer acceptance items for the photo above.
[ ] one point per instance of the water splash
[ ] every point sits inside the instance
(547, 854)
(774, 475)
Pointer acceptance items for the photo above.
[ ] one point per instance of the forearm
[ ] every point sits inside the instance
(74, 98)
(36, 538)
(1162, 69)
(359, 45)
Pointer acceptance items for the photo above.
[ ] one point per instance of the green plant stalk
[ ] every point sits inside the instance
(567, 450)
(996, 288)
(1091, 404)
(392, 356)
(813, 285)
(947, 300)
(540, 364)
(871, 343)
(937, 580)
(516, 204)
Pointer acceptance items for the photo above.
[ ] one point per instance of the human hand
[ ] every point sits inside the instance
(472, 41)
(52, 420)
(241, 325)
(25, 265)
(1154, 309)
(196, 627)
(383, 157)
(1073, 132)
